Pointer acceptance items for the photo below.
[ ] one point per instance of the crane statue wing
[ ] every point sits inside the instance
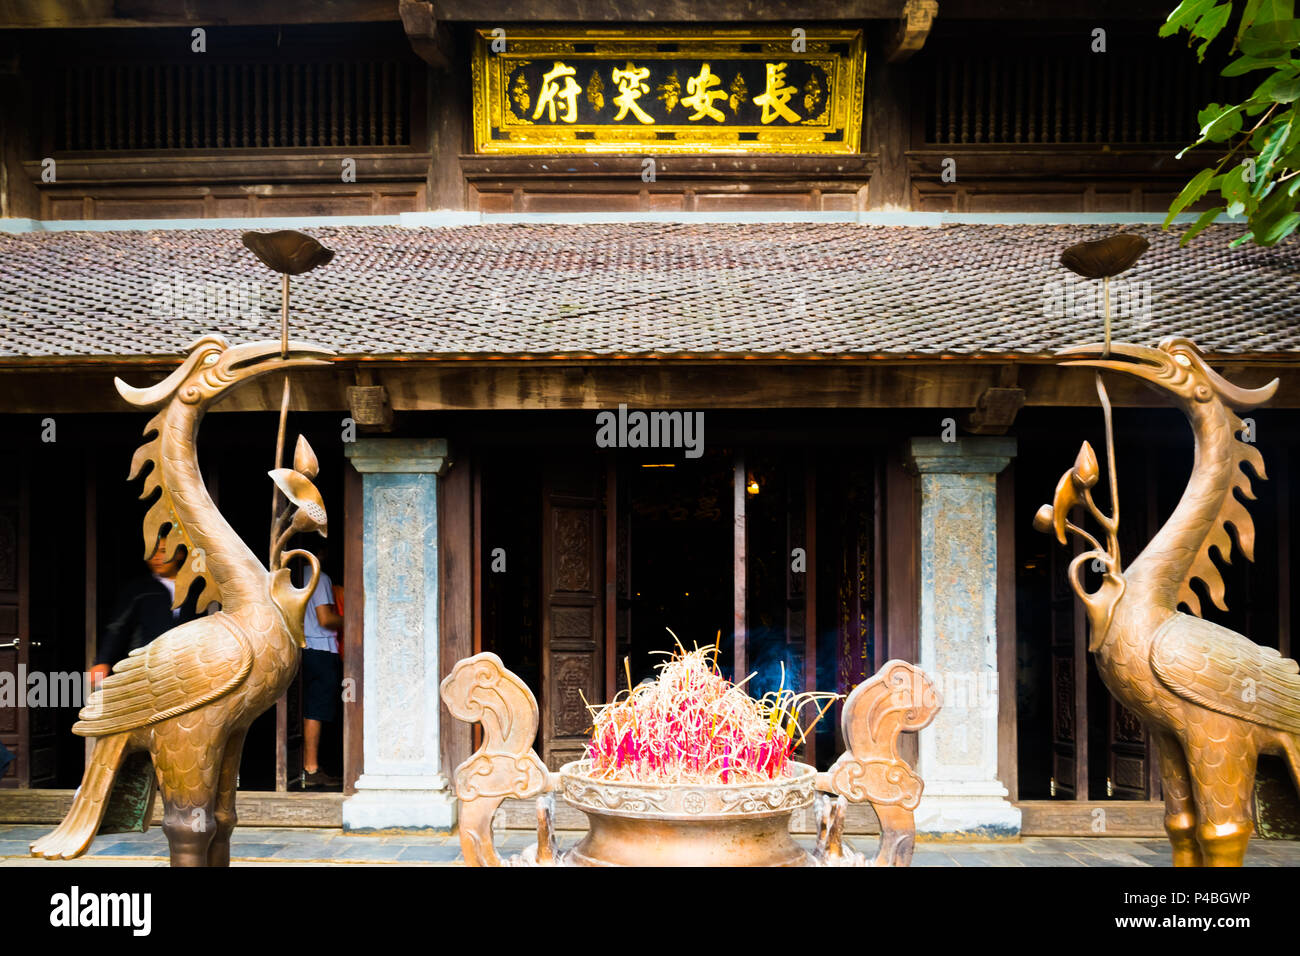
(183, 669)
(1226, 672)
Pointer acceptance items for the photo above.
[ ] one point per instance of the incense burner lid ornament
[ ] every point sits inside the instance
(647, 822)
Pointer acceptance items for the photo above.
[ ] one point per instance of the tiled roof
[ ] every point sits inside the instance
(628, 289)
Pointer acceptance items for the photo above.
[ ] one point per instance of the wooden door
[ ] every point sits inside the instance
(573, 600)
(618, 605)
(1069, 685)
(14, 626)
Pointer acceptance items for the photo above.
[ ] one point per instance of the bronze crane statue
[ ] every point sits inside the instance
(1211, 699)
(188, 698)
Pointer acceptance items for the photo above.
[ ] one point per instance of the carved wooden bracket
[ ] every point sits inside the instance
(370, 407)
(900, 697)
(995, 410)
(913, 29)
(427, 38)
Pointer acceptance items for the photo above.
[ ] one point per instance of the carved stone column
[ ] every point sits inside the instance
(402, 783)
(958, 640)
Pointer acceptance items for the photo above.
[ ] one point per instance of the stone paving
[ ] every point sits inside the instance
(256, 846)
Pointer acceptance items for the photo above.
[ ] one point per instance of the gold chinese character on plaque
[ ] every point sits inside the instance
(776, 95)
(703, 96)
(552, 91)
(631, 83)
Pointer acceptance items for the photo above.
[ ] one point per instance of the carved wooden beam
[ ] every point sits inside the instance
(913, 28)
(429, 41)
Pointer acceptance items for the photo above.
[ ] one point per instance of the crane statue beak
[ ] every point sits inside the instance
(1151, 365)
(221, 367)
(243, 362)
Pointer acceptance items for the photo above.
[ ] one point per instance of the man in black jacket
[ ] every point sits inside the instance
(144, 611)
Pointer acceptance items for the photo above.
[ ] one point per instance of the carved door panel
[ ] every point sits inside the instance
(1066, 678)
(621, 629)
(573, 598)
(14, 630)
(1126, 772)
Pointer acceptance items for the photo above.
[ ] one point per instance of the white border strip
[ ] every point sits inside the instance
(452, 218)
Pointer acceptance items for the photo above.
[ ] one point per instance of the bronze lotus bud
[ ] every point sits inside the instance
(1102, 258)
(304, 459)
(1063, 502)
(1085, 470)
(287, 251)
(1045, 519)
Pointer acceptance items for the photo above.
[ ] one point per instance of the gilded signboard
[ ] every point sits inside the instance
(681, 91)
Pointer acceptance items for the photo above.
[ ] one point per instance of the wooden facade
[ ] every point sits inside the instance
(1002, 110)
(989, 111)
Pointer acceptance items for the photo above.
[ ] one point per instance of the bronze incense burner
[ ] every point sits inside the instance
(635, 823)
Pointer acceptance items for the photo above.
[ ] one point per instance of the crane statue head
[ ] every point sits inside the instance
(1177, 367)
(212, 366)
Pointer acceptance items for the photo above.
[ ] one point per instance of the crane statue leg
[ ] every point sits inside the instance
(1180, 809)
(225, 816)
(1223, 783)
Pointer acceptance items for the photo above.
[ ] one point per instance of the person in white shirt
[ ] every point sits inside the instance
(322, 678)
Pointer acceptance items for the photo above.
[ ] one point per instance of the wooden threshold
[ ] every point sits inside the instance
(1084, 818)
(257, 808)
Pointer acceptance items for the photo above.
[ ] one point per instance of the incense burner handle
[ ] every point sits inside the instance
(480, 689)
(900, 697)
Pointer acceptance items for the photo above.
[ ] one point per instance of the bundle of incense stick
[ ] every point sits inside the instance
(692, 725)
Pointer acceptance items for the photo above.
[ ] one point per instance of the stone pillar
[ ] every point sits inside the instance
(959, 640)
(402, 783)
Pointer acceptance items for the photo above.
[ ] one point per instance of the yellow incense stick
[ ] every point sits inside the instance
(820, 713)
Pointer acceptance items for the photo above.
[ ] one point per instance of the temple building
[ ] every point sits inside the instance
(715, 318)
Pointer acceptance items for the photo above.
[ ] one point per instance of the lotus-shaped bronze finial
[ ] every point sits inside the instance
(1102, 258)
(1086, 470)
(287, 251)
(304, 459)
(310, 515)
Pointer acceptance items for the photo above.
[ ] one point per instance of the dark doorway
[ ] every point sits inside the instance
(679, 552)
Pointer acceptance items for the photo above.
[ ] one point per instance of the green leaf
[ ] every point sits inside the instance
(1275, 219)
(1236, 191)
(1184, 16)
(1247, 18)
(1271, 38)
(1198, 227)
(1280, 88)
(1191, 193)
(1208, 27)
(1224, 126)
(1276, 232)
(1245, 64)
(1278, 135)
